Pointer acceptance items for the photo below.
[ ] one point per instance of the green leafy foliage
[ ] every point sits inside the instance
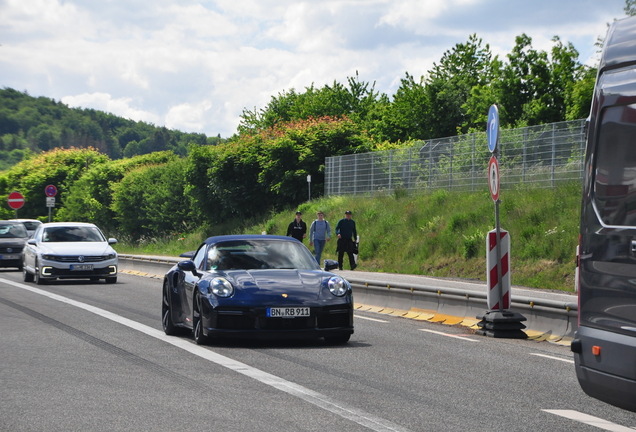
(60, 167)
(90, 198)
(150, 200)
(255, 173)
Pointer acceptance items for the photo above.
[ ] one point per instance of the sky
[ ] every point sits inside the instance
(196, 65)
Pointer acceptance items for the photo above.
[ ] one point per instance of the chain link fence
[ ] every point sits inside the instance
(537, 155)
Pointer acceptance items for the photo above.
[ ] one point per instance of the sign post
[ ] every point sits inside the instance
(498, 321)
(494, 185)
(16, 201)
(50, 192)
(309, 185)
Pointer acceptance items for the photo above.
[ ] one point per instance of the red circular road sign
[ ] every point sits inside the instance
(16, 200)
(50, 190)
(493, 178)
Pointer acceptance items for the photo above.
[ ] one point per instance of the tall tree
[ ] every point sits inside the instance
(450, 84)
(354, 100)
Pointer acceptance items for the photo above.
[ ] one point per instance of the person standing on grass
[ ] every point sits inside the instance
(297, 228)
(347, 233)
(319, 235)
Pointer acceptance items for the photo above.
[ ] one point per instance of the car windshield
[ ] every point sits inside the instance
(72, 234)
(260, 254)
(16, 230)
(32, 226)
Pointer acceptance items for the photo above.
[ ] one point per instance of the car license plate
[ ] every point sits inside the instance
(80, 267)
(9, 257)
(288, 312)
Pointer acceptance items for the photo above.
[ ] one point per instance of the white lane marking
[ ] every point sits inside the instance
(343, 410)
(590, 420)
(371, 319)
(450, 335)
(553, 358)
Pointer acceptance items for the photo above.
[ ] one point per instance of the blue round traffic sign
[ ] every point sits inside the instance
(50, 190)
(492, 129)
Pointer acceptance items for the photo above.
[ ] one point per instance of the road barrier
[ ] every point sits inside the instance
(547, 319)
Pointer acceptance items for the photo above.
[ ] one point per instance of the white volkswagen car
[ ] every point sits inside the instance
(69, 250)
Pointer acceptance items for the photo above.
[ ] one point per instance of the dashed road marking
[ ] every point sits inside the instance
(590, 420)
(370, 319)
(450, 335)
(553, 358)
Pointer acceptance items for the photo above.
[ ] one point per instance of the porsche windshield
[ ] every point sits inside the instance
(260, 254)
(72, 234)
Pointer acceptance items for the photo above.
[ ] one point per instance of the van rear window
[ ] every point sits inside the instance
(615, 174)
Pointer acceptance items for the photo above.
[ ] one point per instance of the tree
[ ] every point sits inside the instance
(90, 197)
(579, 99)
(407, 116)
(59, 167)
(356, 101)
(450, 83)
(150, 200)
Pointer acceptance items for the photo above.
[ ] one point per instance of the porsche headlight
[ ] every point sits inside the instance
(337, 286)
(221, 287)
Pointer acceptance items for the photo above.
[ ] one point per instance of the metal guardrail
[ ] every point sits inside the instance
(522, 302)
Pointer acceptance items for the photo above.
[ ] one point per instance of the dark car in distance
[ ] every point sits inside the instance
(256, 286)
(13, 237)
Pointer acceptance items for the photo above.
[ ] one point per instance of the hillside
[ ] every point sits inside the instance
(35, 124)
(440, 234)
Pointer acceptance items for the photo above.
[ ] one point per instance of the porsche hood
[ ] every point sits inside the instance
(296, 284)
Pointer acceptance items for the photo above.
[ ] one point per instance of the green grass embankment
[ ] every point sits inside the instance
(438, 234)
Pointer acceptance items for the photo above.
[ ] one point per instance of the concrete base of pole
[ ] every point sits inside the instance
(501, 324)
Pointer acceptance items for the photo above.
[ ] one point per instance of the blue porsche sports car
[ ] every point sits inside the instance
(256, 286)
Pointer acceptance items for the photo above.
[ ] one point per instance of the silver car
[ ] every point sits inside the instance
(30, 224)
(69, 250)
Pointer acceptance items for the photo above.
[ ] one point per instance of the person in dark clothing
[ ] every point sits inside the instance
(347, 233)
(298, 228)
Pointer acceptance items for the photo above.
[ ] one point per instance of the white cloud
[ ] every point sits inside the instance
(188, 117)
(195, 65)
(104, 102)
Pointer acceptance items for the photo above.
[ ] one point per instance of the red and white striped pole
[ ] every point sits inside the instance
(498, 296)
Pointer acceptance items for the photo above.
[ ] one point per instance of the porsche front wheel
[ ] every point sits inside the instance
(166, 313)
(197, 322)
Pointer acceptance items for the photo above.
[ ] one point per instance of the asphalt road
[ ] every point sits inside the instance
(79, 356)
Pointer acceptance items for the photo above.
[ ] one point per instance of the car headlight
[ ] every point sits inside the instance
(337, 286)
(221, 287)
(109, 256)
(48, 257)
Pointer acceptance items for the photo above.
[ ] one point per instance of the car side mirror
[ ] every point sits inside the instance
(112, 241)
(32, 242)
(188, 266)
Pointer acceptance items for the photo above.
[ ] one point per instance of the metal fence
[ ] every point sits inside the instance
(537, 155)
